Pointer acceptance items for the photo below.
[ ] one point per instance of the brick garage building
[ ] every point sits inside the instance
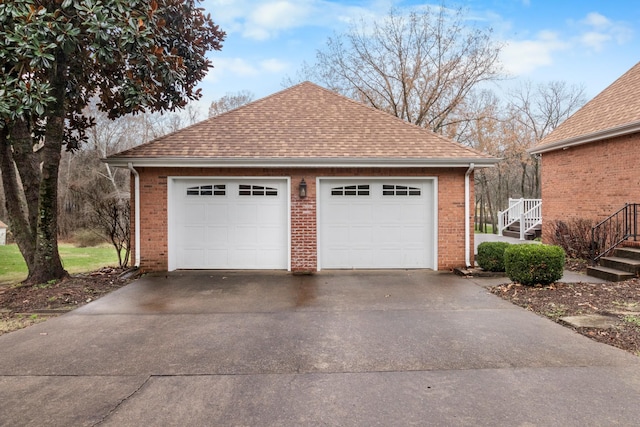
(591, 162)
(302, 180)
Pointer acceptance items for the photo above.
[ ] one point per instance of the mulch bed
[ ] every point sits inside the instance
(618, 299)
(21, 306)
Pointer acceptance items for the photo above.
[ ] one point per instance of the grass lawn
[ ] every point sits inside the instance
(488, 226)
(75, 260)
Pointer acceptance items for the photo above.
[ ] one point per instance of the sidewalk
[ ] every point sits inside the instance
(489, 237)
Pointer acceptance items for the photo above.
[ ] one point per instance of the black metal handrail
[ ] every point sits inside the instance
(609, 233)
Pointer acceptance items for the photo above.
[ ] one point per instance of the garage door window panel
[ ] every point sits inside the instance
(207, 190)
(351, 190)
(400, 190)
(256, 190)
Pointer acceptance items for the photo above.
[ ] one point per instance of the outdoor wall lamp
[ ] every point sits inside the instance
(302, 189)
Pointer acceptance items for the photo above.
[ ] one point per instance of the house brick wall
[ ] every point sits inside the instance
(153, 202)
(589, 181)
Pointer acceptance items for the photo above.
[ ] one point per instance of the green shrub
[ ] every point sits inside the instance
(491, 255)
(87, 239)
(531, 264)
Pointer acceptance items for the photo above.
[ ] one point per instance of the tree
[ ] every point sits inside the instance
(110, 216)
(419, 67)
(230, 101)
(537, 111)
(56, 55)
(507, 128)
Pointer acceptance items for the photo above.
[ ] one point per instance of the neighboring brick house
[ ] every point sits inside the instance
(302, 180)
(591, 162)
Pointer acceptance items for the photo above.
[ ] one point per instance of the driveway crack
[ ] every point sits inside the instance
(123, 400)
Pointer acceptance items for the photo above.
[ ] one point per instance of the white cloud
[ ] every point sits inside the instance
(274, 65)
(524, 56)
(596, 20)
(265, 19)
(592, 34)
(595, 40)
(235, 66)
(240, 67)
(597, 31)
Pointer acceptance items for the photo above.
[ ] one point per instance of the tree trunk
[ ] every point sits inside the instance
(523, 178)
(536, 177)
(14, 202)
(47, 264)
(486, 201)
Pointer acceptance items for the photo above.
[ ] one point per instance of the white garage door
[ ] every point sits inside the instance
(377, 224)
(228, 224)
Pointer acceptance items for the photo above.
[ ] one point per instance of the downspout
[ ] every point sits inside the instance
(467, 210)
(136, 193)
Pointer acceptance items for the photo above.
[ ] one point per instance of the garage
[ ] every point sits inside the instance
(302, 180)
(228, 223)
(377, 223)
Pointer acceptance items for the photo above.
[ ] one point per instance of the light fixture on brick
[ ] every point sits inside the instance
(302, 189)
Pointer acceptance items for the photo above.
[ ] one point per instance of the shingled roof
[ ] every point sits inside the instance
(303, 125)
(613, 112)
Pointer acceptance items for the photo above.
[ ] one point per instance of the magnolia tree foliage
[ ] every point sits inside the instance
(56, 55)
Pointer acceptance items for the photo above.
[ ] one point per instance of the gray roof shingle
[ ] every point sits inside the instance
(616, 107)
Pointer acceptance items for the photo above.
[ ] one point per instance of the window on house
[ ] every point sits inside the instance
(207, 190)
(351, 190)
(257, 190)
(400, 190)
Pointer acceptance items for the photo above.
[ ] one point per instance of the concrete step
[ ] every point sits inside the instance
(624, 264)
(610, 274)
(631, 253)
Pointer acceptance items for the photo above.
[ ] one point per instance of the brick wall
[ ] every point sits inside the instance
(589, 181)
(153, 195)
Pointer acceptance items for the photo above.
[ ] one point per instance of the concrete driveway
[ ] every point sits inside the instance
(339, 348)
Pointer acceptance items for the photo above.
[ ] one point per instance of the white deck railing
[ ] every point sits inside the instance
(527, 211)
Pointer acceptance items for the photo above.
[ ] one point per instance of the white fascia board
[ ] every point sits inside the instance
(298, 163)
(584, 139)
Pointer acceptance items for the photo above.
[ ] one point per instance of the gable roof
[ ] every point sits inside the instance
(304, 125)
(3, 225)
(613, 112)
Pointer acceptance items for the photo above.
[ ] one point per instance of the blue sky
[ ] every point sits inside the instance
(590, 42)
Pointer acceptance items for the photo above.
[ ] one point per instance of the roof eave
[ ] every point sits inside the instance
(585, 139)
(186, 162)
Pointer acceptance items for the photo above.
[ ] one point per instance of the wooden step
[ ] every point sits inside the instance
(516, 234)
(619, 263)
(610, 274)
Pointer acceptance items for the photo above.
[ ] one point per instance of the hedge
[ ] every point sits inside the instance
(531, 264)
(491, 255)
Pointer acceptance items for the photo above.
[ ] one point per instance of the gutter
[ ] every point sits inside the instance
(584, 139)
(467, 211)
(226, 162)
(136, 192)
